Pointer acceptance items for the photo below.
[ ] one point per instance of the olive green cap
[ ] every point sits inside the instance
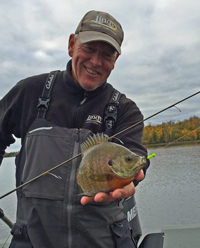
(100, 26)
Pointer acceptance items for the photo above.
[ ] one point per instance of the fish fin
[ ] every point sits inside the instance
(82, 194)
(99, 177)
(92, 141)
(81, 190)
(89, 194)
(120, 141)
(86, 194)
(93, 193)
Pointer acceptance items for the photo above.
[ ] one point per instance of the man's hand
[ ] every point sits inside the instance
(124, 192)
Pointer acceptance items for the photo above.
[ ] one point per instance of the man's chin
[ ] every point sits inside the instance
(90, 86)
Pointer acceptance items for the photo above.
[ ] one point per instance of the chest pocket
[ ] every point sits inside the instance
(45, 148)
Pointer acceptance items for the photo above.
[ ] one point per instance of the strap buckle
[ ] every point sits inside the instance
(43, 102)
(111, 114)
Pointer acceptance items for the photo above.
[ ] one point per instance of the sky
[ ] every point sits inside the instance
(160, 59)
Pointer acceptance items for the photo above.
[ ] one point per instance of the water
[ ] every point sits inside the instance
(8, 204)
(169, 197)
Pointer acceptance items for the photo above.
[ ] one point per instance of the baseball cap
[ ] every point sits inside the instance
(100, 26)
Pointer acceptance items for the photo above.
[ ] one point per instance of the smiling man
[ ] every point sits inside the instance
(92, 62)
(54, 114)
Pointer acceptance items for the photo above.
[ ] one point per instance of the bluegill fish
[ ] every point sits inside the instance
(106, 166)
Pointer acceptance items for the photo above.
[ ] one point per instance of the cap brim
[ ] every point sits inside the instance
(91, 36)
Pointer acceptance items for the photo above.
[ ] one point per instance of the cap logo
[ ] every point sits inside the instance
(106, 22)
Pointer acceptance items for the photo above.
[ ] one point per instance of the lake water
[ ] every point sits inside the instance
(169, 197)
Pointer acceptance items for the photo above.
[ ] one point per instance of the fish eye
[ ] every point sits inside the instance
(128, 159)
(110, 162)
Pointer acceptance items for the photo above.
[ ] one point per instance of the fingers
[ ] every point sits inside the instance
(124, 192)
(103, 197)
(140, 176)
(86, 199)
(99, 197)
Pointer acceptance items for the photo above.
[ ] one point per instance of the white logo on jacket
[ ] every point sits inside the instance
(94, 119)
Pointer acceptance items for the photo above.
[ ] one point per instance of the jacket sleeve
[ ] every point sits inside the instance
(10, 114)
(129, 115)
(18, 109)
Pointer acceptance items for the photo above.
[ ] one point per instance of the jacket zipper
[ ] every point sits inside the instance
(72, 180)
(77, 109)
(85, 98)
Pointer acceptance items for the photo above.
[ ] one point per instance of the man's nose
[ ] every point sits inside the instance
(96, 59)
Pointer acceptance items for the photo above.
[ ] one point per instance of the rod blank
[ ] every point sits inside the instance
(5, 219)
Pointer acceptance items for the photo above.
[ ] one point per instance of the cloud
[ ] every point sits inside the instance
(160, 57)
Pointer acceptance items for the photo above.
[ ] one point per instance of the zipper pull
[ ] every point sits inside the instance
(85, 98)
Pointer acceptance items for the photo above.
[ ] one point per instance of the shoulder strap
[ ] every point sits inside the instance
(110, 115)
(44, 99)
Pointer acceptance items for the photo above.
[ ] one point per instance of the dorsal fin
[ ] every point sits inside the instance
(92, 141)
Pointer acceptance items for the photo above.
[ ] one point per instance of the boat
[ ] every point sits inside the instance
(166, 238)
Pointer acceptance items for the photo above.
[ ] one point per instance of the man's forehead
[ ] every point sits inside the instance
(101, 44)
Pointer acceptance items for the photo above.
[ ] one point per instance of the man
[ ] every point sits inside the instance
(50, 211)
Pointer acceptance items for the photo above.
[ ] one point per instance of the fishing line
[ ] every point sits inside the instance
(179, 138)
(177, 108)
(43, 174)
(154, 155)
(6, 241)
(154, 115)
(124, 130)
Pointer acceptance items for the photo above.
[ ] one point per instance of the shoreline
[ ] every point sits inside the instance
(192, 142)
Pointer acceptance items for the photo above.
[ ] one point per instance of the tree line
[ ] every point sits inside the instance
(10, 154)
(165, 132)
(171, 130)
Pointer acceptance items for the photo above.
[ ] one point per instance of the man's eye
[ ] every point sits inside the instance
(108, 56)
(88, 49)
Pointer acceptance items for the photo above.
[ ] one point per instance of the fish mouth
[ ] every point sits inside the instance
(126, 174)
(131, 172)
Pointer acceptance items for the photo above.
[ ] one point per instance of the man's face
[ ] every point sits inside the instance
(92, 62)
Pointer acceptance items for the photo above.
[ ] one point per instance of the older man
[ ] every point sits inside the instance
(53, 114)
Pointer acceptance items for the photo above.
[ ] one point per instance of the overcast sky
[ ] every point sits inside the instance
(160, 59)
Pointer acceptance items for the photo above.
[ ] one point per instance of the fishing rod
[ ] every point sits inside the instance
(173, 105)
(48, 171)
(5, 219)
(10, 224)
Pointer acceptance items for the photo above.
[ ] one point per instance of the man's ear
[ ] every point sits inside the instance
(71, 44)
(117, 56)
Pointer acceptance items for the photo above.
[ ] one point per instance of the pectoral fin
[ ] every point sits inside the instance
(99, 177)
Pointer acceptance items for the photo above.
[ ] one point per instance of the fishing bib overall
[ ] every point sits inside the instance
(49, 212)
